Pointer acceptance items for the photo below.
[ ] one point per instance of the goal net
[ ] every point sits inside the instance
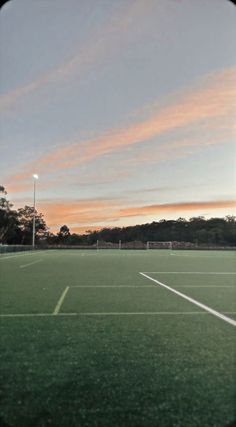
(159, 245)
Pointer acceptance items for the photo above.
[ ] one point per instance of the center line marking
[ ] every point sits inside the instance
(193, 301)
(60, 301)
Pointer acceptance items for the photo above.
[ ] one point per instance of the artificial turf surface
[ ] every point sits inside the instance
(169, 363)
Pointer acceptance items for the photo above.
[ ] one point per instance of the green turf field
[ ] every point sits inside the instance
(118, 338)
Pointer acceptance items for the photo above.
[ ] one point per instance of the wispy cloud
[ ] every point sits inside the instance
(179, 147)
(123, 22)
(161, 189)
(214, 99)
(84, 211)
(86, 179)
(176, 207)
(211, 101)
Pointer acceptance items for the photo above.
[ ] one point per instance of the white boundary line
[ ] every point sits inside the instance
(193, 301)
(188, 272)
(31, 263)
(144, 313)
(60, 301)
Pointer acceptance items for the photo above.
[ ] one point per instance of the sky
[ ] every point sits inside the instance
(125, 109)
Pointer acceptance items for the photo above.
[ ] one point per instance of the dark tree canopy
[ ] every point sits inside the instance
(8, 218)
(197, 230)
(16, 226)
(25, 216)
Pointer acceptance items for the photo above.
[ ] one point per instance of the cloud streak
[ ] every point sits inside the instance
(82, 211)
(81, 214)
(176, 207)
(107, 40)
(215, 99)
(211, 103)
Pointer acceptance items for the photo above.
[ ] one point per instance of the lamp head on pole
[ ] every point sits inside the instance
(35, 176)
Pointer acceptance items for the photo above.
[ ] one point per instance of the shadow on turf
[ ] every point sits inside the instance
(42, 420)
(3, 423)
(232, 424)
(45, 417)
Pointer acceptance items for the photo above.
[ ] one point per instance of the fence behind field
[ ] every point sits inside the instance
(174, 245)
(4, 249)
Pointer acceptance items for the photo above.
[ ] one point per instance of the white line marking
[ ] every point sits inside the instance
(26, 315)
(3, 257)
(155, 313)
(60, 301)
(14, 256)
(203, 286)
(188, 272)
(31, 263)
(140, 313)
(193, 301)
(194, 255)
(108, 286)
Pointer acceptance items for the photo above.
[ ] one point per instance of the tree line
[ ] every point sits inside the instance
(16, 225)
(16, 228)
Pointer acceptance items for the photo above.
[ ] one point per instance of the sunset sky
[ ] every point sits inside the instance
(126, 109)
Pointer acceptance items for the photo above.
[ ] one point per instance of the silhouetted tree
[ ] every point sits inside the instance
(25, 218)
(8, 218)
(215, 231)
(63, 235)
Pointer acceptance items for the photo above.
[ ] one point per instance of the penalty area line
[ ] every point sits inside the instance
(193, 301)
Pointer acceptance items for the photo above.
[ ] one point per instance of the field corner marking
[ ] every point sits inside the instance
(60, 301)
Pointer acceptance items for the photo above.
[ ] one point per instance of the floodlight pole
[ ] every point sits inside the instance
(33, 233)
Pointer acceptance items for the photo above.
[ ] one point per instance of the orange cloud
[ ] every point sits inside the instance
(216, 98)
(84, 230)
(81, 212)
(19, 187)
(213, 100)
(176, 207)
(79, 215)
(180, 148)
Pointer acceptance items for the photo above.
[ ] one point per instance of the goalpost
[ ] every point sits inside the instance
(159, 245)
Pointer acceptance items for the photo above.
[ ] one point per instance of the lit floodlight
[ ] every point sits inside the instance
(35, 176)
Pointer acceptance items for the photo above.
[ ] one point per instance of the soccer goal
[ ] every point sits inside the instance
(159, 245)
